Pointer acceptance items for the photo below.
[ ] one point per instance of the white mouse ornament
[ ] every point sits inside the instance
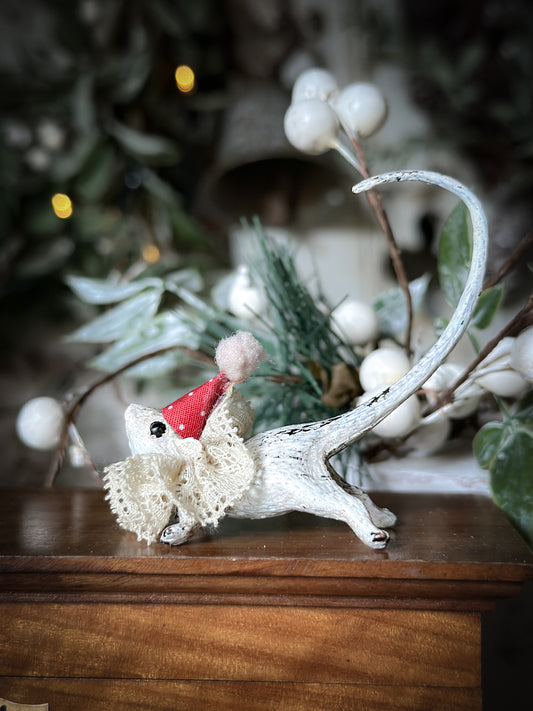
(190, 458)
(191, 465)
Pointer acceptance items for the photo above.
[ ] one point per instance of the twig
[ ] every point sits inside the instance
(77, 402)
(376, 204)
(522, 247)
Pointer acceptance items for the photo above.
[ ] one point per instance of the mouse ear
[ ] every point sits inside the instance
(141, 491)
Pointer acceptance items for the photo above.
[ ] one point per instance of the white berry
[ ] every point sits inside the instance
(362, 108)
(355, 321)
(401, 421)
(504, 380)
(522, 354)
(382, 367)
(314, 84)
(444, 377)
(505, 383)
(245, 300)
(40, 423)
(429, 436)
(311, 126)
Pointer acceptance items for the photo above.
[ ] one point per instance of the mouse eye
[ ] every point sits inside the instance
(158, 429)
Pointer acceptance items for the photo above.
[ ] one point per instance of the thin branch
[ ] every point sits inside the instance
(376, 204)
(522, 247)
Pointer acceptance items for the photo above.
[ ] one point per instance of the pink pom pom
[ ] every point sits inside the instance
(239, 355)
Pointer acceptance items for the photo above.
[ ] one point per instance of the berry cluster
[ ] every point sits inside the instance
(319, 109)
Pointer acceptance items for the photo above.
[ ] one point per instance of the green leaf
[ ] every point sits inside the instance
(99, 291)
(126, 74)
(45, 258)
(145, 147)
(189, 279)
(487, 306)
(40, 220)
(391, 306)
(487, 443)
(524, 410)
(119, 320)
(159, 365)
(512, 479)
(163, 331)
(455, 250)
(68, 164)
(181, 223)
(97, 173)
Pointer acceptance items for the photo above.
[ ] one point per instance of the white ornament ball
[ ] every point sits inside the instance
(314, 84)
(311, 126)
(504, 381)
(355, 321)
(245, 300)
(401, 421)
(40, 423)
(465, 405)
(362, 108)
(382, 367)
(441, 379)
(522, 354)
(429, 436)
(444, 377)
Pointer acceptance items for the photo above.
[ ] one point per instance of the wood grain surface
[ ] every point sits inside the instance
(118, 695)
(286, 613)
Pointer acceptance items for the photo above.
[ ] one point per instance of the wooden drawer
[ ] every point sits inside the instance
(292, 613)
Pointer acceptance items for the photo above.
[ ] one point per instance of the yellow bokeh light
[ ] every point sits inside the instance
(151, 253)
(184, 76)
(62, 205)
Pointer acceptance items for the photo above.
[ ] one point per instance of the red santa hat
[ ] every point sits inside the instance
(237, 357)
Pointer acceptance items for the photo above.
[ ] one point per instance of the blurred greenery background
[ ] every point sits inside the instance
(94, 113)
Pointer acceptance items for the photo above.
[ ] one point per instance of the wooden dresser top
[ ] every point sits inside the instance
(64, 542)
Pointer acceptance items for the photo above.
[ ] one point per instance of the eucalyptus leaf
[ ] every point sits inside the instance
(100, 291)
(119, 320)
(156, 150)
(189, 279)
(166, 330)
(455, 250)
(391, 307)
(487, 307)
(159, 365)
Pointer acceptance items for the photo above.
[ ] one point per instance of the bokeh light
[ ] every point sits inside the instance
(151, 253)
(62, 205)
(185, 80)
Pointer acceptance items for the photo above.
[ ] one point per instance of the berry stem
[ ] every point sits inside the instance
(376, 204)
(522, 247)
